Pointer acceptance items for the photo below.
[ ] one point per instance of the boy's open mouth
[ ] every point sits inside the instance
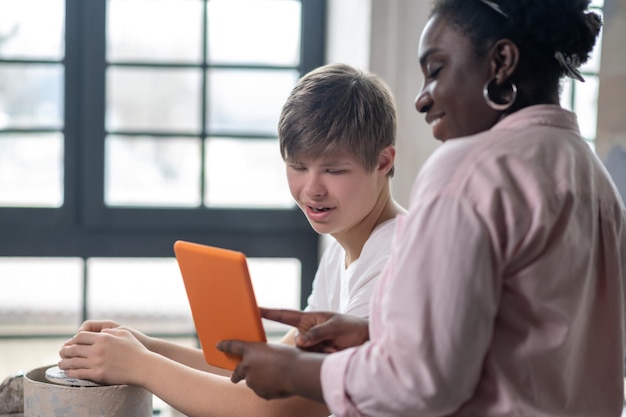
(319, 209)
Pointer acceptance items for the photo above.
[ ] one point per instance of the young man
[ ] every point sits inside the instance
(337, 133)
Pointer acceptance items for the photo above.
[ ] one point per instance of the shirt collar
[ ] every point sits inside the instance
(541, 114)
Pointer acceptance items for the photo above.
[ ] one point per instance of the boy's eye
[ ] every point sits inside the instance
(336, 171)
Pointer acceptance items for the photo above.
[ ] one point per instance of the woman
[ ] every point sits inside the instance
(504, 292)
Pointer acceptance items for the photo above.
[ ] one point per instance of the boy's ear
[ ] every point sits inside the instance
(386, 159)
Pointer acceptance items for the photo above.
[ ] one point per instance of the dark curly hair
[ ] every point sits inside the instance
(539, 28)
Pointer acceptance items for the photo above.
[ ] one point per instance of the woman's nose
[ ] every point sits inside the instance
(423, 101)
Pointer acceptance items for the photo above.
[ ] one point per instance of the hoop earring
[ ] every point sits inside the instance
(499, 106)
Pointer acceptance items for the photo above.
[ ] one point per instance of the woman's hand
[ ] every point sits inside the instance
(321, 331)
(275, 370)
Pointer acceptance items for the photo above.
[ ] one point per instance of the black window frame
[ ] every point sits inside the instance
(84, 227)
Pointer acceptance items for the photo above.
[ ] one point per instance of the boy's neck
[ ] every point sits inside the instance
(354, 239)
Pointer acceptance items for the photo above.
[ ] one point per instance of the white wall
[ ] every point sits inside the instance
(348, 32)
(383, 36)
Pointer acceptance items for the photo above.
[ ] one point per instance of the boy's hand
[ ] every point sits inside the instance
(110, 356)
(98, 325)
(321, 331)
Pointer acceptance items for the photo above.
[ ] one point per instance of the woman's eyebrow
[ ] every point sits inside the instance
(424, 57)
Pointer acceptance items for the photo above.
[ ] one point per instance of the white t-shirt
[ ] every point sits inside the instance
(348, 290)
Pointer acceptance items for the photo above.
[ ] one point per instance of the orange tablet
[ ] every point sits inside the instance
(221, 298)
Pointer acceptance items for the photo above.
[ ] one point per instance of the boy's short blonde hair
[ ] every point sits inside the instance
(338, 108)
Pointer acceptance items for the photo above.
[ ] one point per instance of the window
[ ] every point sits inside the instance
(31, 107)
(582, 98)
(128, 124)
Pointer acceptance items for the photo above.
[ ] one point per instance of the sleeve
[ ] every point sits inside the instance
(437, 308)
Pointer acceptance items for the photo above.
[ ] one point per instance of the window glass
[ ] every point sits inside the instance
(31, 169)
(32, 29)
(135, 103)
(238, 101)
(582, 97)
(258, 32)
(566, 93)
(19, 355)
(593, 64)
(586, 106)
(276, 284)
(149, 294)
(145, 171)
(245, 173)
(31, 95)
(247, 101)
(154, 30)
(40, 295)
(159, 92)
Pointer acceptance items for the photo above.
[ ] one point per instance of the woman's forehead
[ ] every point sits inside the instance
(439, 36)
(438, 31)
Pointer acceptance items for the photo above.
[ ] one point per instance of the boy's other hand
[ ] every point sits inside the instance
(98, 325)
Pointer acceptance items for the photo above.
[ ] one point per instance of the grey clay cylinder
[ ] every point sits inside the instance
(43, 398)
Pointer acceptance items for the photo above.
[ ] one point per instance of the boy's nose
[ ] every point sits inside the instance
(315, 187)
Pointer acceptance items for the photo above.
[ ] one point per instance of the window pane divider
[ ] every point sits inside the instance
(46, 129)
(31, 61)
(199, 65)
